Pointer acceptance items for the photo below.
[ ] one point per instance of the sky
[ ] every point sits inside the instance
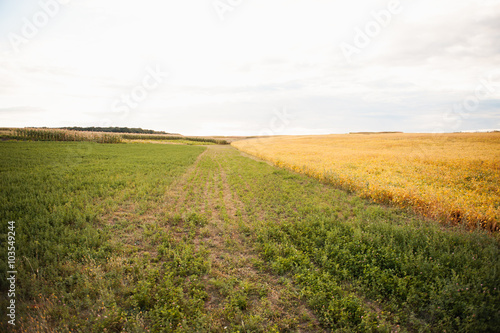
(260, 67)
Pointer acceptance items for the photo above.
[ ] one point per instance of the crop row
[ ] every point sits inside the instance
(70, 135)
(172, 138)
(64, 135)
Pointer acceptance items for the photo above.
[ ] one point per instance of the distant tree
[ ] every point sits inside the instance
(114, 130)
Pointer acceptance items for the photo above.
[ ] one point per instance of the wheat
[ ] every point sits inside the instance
(450, 177)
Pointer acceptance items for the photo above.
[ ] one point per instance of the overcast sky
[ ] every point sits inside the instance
(230, 67)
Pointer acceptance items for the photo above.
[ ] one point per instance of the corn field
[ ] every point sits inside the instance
(36, 134)
(65, 135)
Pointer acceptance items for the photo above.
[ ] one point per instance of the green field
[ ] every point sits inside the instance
(175, 238)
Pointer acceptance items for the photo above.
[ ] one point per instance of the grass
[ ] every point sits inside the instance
(175, 238)
(448, 177)
(73, 272)
(364, 267)
(177, 142)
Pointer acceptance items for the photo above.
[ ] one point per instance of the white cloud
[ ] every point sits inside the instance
(264, 55)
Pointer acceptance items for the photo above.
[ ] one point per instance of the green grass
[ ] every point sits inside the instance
(149, 237)
(183, 142)
(73, 272)
(364, 267)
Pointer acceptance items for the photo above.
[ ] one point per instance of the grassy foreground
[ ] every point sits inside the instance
(163, 238)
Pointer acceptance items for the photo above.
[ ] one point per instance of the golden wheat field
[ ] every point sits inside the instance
(450, 177)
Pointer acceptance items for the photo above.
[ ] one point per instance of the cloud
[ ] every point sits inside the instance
(231, 75)
(21, 109)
